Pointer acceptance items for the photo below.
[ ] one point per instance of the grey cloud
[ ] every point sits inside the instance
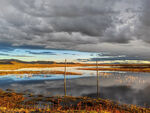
(27, 21)
(77, 24)
(64, 8)
(143, 26)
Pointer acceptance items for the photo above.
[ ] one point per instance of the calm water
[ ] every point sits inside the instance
(125, 87)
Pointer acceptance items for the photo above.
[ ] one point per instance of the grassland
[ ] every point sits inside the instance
(11, 102)
(38, 72)
(17, 65)
(131, 69)
(112, 67)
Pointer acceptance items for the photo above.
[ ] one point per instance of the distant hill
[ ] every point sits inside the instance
(9, 61)
(5, 61)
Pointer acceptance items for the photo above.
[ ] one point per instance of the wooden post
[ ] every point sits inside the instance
(65, 77)
(97, 79)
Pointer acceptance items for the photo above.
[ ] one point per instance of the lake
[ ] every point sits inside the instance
(124, 87)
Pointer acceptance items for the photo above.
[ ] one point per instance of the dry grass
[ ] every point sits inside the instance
(16, 65)
(38, 72)
(133, 69)
(11, 102)
(114, 67)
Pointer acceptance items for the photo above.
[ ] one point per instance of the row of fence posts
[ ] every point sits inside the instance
(97, 73)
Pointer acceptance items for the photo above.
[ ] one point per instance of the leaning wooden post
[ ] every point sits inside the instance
(97, 79)
(65, 77)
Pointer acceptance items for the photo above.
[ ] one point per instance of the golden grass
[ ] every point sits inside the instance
(16, 65)
(38, 72)
(11, 102)
(114, 67)
(119, 69)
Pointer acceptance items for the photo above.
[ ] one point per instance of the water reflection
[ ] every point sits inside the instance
(30, 77)
(125, 94)
(125, 87)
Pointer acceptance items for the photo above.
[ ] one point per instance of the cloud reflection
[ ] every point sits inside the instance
(85, 86)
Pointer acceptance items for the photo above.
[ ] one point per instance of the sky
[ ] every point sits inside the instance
(83, 29)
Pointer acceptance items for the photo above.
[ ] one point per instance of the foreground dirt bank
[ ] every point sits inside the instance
(27, 103)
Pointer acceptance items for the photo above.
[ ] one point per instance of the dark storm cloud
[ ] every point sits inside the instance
(111, 58)
(4, 47)
(3, 54)
(143, 27)
(40, 21)
(115, 58)
(20, 56)
(76, 24)
(42, 53)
